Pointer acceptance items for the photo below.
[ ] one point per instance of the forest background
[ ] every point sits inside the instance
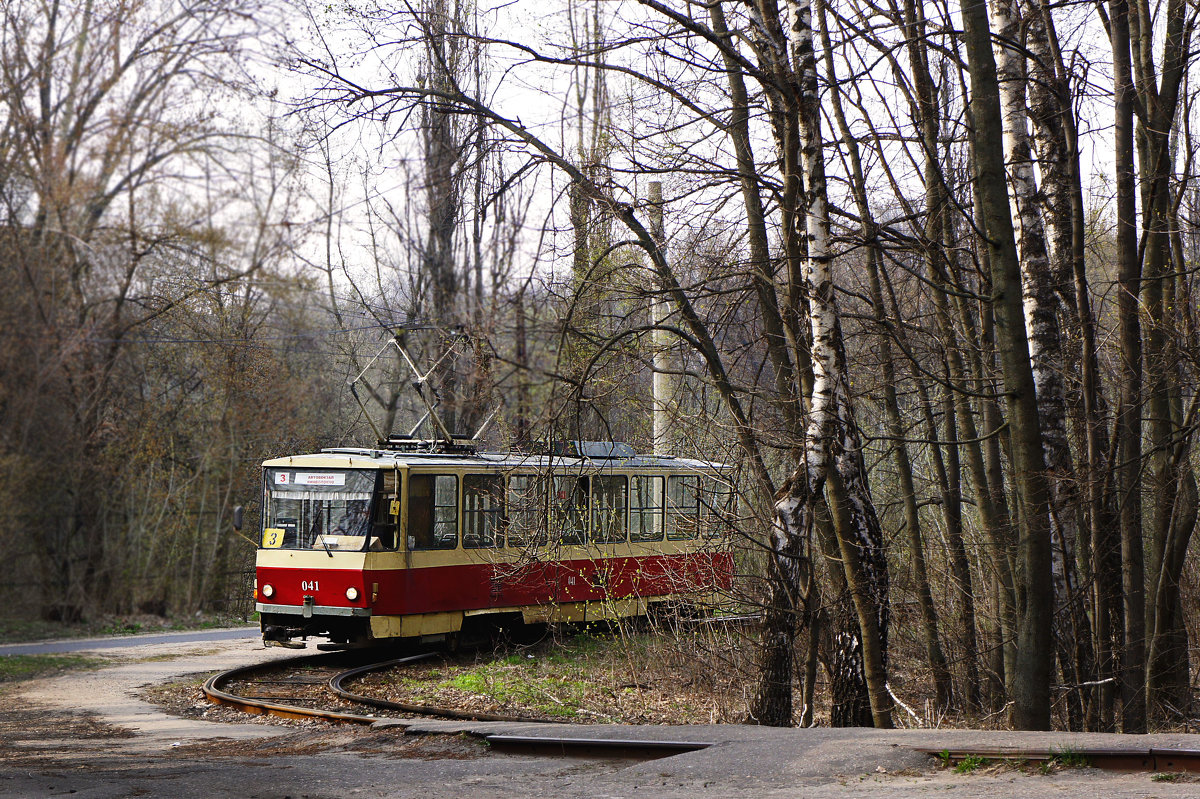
(923, 274)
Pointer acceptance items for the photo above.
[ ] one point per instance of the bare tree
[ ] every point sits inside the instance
(109, 112)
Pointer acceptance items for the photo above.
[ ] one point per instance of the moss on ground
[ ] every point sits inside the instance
(14, 668)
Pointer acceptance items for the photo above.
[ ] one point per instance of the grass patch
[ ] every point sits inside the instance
(14, 668)
(1071, 759)
(24, 629)
(122, 627)
(1064, 759)
(630, 675)
(210, 622)
(970, 763)
(555, 691)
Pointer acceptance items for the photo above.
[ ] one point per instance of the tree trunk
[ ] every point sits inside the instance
(1128, 431)
(832, 432)
(1056, 138)
(1031, 694)
(1158, 104)
(1071, 626)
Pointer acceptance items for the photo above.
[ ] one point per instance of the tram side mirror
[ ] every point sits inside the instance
(238, 517)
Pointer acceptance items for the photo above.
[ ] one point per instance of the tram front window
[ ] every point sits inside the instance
(318, 510)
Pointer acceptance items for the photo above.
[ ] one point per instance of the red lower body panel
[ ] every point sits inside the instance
(504, 585)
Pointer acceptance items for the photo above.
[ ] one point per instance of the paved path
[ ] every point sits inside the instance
(127, 641)
(112, 694)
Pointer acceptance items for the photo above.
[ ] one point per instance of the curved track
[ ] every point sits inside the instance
(270, 705)
(293, 697)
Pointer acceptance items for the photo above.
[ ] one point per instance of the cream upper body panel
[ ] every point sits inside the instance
(311, 559)
(428, 558)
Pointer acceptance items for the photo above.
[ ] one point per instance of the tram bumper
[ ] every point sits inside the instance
(281, 624)
(309, 610)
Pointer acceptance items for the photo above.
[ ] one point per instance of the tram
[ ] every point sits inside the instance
(430, 539)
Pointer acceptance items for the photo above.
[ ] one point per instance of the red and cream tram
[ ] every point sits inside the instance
(421, 539)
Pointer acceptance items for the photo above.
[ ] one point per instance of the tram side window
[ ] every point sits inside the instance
(609, 498)
(385, 527)
(683, 506)
(645, 508)
(571, 509)
(716, 508)
(432, 511)
(527, 511)
(383, 531)
(483, 510)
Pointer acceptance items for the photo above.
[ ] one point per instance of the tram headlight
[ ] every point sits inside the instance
(352, 594)
(268, 590)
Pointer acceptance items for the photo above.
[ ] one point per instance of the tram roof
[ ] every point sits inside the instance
(366, 458)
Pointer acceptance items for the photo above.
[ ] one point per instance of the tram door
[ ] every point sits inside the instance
(569, 519)
(591, 517)
(531, 576)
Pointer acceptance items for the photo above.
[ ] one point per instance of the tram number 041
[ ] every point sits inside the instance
(309, 585)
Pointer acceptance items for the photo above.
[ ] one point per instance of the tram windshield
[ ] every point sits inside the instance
(312, 509)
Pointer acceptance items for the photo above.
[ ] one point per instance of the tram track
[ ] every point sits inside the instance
(215, 690)
(335, 682)
(293, 688)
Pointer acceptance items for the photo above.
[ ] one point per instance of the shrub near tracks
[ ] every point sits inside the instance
(634, 679)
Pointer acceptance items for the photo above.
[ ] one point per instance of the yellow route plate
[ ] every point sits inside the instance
(272, 538)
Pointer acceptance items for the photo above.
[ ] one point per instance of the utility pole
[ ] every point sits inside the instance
(663, 385)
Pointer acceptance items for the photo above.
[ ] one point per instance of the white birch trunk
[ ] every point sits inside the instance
(796, 502)
(1050, 142)
(830, 435)
(831, 431)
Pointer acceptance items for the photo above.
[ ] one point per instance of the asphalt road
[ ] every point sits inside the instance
(126, 641)
(91, 735)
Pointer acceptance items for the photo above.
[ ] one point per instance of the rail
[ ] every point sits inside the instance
(1109, 758)
(214, 691)
(568, 746)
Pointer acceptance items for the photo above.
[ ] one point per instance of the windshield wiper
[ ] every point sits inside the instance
(325, 546)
